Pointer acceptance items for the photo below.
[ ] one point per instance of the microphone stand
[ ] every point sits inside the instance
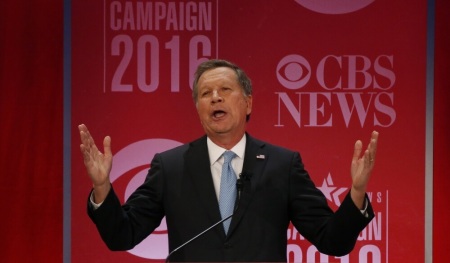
(239, 186)
(200, 234)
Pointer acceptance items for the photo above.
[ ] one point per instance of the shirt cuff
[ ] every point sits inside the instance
(94, 205)
(363, 211)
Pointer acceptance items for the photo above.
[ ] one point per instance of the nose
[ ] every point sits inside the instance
(216, 96)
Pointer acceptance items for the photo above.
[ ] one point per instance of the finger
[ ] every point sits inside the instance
(85, 151)
(84, 146)
(374, 135)
(88, 147)
(82, 127)
(107, 146)
(91, 143)
(374, 141)
(357, 151)
(368, 161)
(85, 136)
(84, 133)
(372, 147)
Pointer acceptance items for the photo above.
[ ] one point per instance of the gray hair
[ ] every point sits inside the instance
(242, 78)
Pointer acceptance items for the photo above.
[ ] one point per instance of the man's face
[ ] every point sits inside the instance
(221, 103)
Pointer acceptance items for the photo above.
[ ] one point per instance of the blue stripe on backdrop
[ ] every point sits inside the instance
(67, 133)
(429, 134)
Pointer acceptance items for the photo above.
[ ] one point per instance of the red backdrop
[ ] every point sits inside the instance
(31, 147)
(31, 117)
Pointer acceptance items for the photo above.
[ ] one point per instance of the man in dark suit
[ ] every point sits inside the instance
(270, 187)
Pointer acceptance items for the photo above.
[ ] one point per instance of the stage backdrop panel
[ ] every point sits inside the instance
(325, 73)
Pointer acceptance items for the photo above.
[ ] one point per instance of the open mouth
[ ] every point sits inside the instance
(218, 114)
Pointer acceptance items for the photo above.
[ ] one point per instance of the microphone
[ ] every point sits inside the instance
(245, 175)
(239, 187)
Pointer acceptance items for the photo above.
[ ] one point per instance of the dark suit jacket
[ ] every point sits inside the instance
(277, 190)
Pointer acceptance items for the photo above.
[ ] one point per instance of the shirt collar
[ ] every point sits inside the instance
(215, 151)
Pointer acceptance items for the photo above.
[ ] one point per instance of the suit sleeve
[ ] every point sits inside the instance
(124, 226)
(333, 233)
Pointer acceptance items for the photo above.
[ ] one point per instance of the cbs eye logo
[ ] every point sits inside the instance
(293, 72)
(334, 7)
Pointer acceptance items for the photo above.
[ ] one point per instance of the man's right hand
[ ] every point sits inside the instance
(98, 164)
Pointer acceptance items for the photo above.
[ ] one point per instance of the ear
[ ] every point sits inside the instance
(249, 100)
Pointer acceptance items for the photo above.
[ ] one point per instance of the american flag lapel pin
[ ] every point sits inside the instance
(260, 156)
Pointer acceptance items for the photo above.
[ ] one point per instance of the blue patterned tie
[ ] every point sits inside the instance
(227, 196)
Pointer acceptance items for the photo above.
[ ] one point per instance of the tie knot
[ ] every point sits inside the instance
(228, 156)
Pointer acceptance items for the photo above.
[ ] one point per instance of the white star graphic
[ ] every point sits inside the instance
(326, 188)
(330, 192)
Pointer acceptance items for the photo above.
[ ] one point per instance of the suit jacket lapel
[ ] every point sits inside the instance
(254, 161)
(199, 170)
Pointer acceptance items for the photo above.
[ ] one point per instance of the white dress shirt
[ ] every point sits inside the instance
(216, 160)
